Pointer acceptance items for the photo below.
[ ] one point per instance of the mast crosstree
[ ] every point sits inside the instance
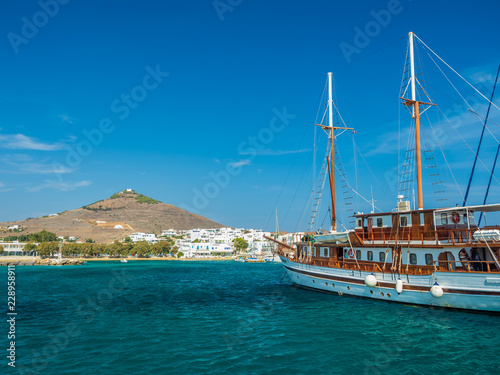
(330, 130)
(415, 104)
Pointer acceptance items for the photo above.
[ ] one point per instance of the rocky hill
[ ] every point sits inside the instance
(114, 218)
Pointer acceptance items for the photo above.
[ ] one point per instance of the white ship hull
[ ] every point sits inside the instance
(470, 291)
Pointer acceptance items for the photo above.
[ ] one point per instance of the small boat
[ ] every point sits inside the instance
(272, 258)
(124, 261)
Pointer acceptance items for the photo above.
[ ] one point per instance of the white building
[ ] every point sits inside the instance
(224, 237)
(204, 250)
(259, 247)
(13, 248)
(169, 233)
(148, 237)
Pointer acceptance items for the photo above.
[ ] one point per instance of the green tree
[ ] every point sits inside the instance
(96, 249)
(48, 249)
(1, 249)
(142, 249)
(180, 254)
(127, 240)
(68, 249)
(30, 247)
(240, 245)
(43, 236)
(89, 240)
(174, 250)
(114, 249)
(127, 249)
(161, 248)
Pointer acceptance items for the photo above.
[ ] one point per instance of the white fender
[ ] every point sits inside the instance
(399, 286)
(371, 280)
(436, 290)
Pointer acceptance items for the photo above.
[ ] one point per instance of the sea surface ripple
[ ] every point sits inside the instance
(224, 317)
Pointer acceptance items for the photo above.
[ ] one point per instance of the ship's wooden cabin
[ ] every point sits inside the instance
(409, 242)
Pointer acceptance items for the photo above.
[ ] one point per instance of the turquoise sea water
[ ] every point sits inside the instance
(228, 318)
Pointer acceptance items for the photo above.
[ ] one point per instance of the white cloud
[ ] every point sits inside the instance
(42, 167)
(239, 163)
(23, 142)
(67, 119)
(59, 185)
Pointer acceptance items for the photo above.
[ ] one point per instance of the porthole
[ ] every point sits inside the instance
(389, 295)
(340, 293)
(297, 277)
(314, 281)
(371, 291)
(348, 288)
(333, 284)
(382, 294)
(326, 283)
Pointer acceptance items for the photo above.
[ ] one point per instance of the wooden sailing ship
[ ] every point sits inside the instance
(434, 257)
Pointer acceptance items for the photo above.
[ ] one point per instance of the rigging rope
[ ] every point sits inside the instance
(478, 158)
(350, 187)
(454, 71)
(469, 108)
(481, 140)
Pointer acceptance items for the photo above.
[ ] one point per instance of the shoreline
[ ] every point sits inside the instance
(39, 261)
(107, 259)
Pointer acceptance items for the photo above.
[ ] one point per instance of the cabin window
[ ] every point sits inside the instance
(379, 222)
(360, 223)
(381, 256)
(404, 221)
(358, 254)
(428, 259)
(444, 219)
(370, 255)
(413, 258)
(325, 252)
(465, 218)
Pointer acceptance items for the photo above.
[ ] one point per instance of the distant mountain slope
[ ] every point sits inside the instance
(133, 212)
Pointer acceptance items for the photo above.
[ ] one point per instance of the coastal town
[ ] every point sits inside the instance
(188, 244)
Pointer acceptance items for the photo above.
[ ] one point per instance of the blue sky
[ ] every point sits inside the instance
(210, 106)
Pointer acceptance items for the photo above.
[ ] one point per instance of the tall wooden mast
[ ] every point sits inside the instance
(416, 115)
(330, 130)
(332, 151)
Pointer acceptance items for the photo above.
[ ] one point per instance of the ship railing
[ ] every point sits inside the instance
(371, 266)
(413, 269)
(412, 235)
(465, 265)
